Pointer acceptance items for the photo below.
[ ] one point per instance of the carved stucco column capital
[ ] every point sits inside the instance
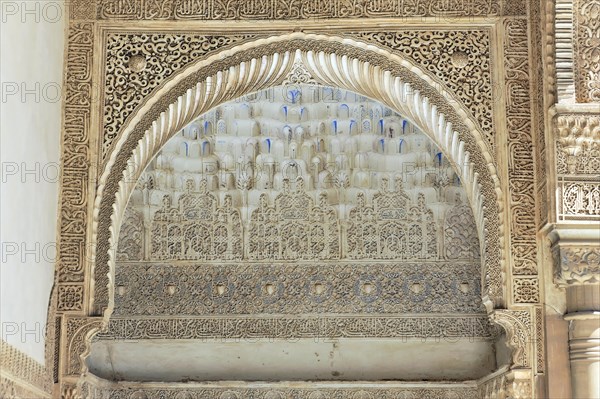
(576, 254)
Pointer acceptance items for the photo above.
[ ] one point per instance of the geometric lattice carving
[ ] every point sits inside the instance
(294, 228)
(526, 290)
(197, 229)
(391, 229)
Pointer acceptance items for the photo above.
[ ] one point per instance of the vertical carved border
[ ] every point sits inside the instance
(538, 110)
(586, 40)
(540, 340)
(521, 164)
(75, 168)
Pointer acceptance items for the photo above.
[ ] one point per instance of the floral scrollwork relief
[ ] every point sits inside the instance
(587, 50)
(578, 136)
(576, 265)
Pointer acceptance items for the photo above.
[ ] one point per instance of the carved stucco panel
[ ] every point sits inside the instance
(459, 59)
(77, 334)
(279, 392)
(587, 50)
(578, 144)
(294, 327)
(519, 328)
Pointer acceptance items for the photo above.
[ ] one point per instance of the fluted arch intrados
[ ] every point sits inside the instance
(258, 65)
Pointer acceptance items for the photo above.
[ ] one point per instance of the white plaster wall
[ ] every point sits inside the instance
(31, 54)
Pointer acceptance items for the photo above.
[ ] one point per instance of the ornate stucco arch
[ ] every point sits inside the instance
(333, 61)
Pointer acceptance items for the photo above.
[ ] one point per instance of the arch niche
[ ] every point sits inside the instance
(289, 59)
(330, 61)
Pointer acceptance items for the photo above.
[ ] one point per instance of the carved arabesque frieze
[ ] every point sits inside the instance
(576, 265)
(579, 199)
(449, 327)
(312, 391)
(587, 50)
(586, 162)
(578, 166)
(280, 288)
(297, 9)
